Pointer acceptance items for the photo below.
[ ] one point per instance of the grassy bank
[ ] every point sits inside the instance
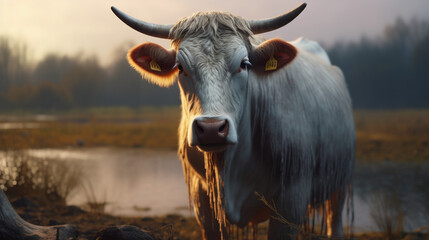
(119, 127)
(398, 135)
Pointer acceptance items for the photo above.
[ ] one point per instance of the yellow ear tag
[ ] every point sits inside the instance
(271, 64)
(155, 66)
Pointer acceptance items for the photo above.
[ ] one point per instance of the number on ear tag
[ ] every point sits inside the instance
(271, 64)
(155, 66)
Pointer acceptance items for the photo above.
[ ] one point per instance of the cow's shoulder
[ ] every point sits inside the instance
(303, 44)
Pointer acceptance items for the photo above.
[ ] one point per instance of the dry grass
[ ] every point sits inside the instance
(93, 204)
(387, 213)
(399, 135)
(22, 175)
(149, 128)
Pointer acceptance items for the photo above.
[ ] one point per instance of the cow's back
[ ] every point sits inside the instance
(313, 47)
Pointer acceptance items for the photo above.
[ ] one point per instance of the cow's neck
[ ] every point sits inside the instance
(243, 171)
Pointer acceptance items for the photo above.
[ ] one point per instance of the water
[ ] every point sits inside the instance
(8, 122)
(397, 190)
(18, 125)
(136, 182)
(133, 182)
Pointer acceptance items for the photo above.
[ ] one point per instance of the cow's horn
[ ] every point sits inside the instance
(266, 25)
(155, 30)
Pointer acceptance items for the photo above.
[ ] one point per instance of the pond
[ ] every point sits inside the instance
(133, 182)
(142, 182)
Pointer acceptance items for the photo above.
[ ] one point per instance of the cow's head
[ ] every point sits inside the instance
(211, 57)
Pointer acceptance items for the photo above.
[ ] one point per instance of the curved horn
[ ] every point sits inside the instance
(155, 30)
(266, 25)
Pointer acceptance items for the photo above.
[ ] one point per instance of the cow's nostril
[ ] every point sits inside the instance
(224, 128)
(200, 128)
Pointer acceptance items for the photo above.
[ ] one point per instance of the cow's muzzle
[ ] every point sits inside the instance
(211, 134)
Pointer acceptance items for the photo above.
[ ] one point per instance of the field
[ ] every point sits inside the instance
(401, 135)
(382, 136)
(116, 127)
(396, 135)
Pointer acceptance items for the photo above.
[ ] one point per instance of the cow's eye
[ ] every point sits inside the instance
(245, 64)
(180, 67)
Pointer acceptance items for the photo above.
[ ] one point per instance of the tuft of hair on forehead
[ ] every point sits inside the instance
(210, 24)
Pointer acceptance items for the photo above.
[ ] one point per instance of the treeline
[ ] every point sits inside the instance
(391, 71)
(64, 82)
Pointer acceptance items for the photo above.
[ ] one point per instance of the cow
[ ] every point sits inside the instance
(261, 120)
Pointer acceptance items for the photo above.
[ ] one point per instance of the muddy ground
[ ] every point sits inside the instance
(172, 227)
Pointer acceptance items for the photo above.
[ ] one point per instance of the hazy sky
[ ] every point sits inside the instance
(89, 26)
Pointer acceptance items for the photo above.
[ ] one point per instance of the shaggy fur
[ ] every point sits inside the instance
(293, 129)
(210, 25)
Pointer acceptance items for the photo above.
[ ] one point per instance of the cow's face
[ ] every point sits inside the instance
(213, 79)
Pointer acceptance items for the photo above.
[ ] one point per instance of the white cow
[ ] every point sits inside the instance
(272, 118)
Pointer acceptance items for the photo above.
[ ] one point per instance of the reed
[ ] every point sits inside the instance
(387, 214)
(24, 175)
(93, 203)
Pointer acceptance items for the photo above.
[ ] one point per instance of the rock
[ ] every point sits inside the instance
(80, 143)
(414, 236)
(147, 219)
(24, 202)
(27, 217)
(73, 210)
(66, 232)
(124, 232)
(53, 222)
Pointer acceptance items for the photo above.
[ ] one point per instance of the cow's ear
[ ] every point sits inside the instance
(271, 56)
(154, 63)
